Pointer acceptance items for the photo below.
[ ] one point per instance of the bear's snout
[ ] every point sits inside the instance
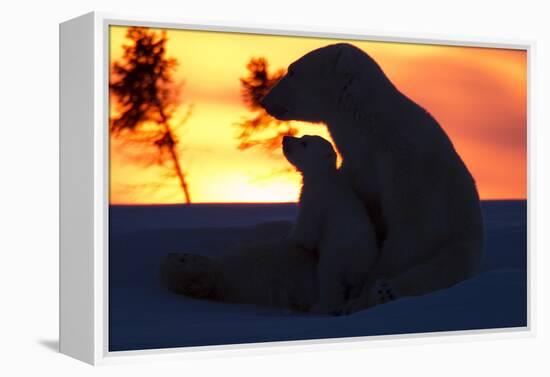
(273, 109)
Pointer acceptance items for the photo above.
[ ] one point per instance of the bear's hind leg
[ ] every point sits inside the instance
(192, 275)
(453, 263)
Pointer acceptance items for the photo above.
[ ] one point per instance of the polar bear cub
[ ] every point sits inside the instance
(332, 220)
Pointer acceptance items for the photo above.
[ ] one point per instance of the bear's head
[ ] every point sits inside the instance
(314, 84)
(310, 154)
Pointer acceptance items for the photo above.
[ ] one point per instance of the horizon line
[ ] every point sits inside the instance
(261, 203)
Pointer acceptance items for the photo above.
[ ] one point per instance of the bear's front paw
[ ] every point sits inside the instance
(383, 292)
(191, 275)
(380, 293)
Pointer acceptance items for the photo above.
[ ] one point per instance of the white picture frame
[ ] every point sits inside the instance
(84, 189)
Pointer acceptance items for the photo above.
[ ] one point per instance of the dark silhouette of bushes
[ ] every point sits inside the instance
(261, 129)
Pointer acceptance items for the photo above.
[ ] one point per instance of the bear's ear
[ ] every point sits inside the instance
(343, 61)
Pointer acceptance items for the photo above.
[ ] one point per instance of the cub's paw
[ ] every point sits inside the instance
(189, 274)
(356, 304)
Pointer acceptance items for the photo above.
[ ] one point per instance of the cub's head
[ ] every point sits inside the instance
(309, 154)
(313, 84)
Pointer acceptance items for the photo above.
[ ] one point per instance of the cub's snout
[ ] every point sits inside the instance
(288, 142)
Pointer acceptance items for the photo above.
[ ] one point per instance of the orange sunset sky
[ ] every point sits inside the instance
(478, 95)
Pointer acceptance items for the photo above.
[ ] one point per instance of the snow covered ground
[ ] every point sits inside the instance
(143, 315)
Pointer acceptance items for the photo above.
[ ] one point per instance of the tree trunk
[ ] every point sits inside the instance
(177, 167)
(180, 174)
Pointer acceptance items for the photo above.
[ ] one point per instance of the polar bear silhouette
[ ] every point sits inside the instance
(331, 220)
(416, 188)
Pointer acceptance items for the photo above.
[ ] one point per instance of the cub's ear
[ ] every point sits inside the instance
(330, 156)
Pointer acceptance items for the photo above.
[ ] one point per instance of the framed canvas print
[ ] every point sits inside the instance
(239, 187)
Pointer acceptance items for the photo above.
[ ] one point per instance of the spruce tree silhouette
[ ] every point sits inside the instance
(262, 129)
(146, 98)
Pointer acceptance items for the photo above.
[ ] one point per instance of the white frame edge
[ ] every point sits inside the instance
(76, 175)
(84, 277)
